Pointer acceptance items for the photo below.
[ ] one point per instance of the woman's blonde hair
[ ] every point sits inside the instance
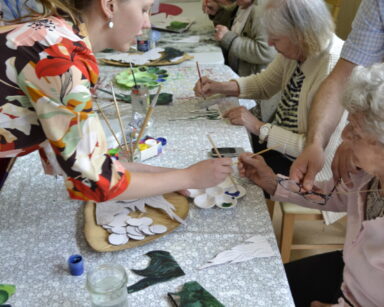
(308, 23)
(63, 8)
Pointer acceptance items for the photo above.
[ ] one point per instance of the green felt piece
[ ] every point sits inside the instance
(194, 295)
(162, 267)
(150, 77)
(177, 25)
(6, 291)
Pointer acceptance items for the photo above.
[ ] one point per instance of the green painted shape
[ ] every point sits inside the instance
(177, 25)
(6, 291)
(194, 295)
(150, 77)
(162, 267)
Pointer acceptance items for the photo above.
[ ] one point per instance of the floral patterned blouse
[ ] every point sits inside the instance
(47, 69)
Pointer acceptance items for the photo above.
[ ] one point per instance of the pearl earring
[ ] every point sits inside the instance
(110, 24)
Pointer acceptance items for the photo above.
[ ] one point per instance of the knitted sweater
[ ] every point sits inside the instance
(264, 85)
(249, 52)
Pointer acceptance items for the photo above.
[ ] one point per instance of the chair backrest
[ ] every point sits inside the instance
(334, 7)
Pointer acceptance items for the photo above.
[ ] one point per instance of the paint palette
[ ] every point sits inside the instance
(224, 195)
(150, 77)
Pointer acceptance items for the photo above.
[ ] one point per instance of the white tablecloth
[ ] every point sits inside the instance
(40, 227)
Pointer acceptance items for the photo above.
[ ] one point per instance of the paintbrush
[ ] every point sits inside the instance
(260, 152)
(108, 124)
(237, 193)
(119, 118)
(133, 75)
(200, 78)
(147, 116)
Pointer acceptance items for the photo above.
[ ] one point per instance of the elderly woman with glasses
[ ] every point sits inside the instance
(356, 277)
(302, 32)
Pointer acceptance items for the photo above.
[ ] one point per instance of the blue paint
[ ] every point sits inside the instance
(234, 194)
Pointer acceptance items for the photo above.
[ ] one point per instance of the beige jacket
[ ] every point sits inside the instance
(264, 85)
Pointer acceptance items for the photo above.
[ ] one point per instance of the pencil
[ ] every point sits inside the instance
(200, 78)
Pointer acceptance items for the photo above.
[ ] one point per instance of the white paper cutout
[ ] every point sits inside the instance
(256, 246)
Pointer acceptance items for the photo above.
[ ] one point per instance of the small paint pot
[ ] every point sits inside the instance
(204, 201)
(214, 191)
(195, 192)
(232, 190)
(225, 201)
(76, 265)
(151, 142)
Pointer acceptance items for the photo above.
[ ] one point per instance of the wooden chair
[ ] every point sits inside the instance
(334, 7)
(292, 213)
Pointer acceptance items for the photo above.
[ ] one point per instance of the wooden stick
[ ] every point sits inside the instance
(200, 78)
(147, 117)
(220, 156)
(108, 124)
(119, 118)
(264, 150)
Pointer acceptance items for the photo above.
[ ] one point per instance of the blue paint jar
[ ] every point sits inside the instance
(144, 41)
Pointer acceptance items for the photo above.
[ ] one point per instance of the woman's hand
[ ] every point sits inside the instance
(220, 31)
(242, 117)
(256, 170)
(207, 87)
(209, 173)
(342, 164)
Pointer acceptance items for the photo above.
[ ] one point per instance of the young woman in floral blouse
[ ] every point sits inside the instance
(47, 69)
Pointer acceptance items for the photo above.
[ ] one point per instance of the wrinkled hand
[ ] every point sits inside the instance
(207, 87)
(342, 164)
(256, 170)
(210, 172)
(242, 117)
(307, 165)
(220, 31)
(319, 304)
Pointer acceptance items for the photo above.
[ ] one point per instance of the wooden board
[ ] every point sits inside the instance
(97, 236)
(158, 62)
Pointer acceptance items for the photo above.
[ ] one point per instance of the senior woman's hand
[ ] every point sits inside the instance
(242, 117)
(207, 87)
(220, 31)
(342, 164)
(256, 170)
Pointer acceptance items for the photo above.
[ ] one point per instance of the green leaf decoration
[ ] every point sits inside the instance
(150, 77)
(177, 25)
(194, 295)
(162, 267)
(164, 98)
(6, 291)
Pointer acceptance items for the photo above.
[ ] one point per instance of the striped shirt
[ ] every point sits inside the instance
(286, 113)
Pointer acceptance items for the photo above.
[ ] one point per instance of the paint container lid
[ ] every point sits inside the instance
(162, 140)
(76, 265)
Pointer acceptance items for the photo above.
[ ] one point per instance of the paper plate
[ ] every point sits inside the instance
(97, 236)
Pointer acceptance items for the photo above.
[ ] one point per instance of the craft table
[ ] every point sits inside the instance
(40, 227)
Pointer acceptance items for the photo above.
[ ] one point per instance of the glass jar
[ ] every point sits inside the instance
(140, 102)
(107, 285)
(144, 40)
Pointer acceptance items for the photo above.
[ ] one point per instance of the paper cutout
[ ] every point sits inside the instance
(256, 246)
(106, 211)
(6, 291)
(137, 58)
(193, 295)
(162, 267)
(150, 77)
(176, 24)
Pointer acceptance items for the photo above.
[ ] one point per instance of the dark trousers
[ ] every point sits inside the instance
(276, 160)
(316, 278)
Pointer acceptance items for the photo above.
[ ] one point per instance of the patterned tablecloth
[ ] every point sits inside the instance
(40, 227)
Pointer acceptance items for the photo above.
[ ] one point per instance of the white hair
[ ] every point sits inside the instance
(308, 23)
(364, 94)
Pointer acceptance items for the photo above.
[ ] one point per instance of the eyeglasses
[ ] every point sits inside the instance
(297, 188)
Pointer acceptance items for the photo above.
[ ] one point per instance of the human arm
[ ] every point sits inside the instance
(326, 101)
(255, 169)
(251, 45)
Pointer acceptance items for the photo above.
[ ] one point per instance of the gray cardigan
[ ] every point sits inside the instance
(247, 53)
